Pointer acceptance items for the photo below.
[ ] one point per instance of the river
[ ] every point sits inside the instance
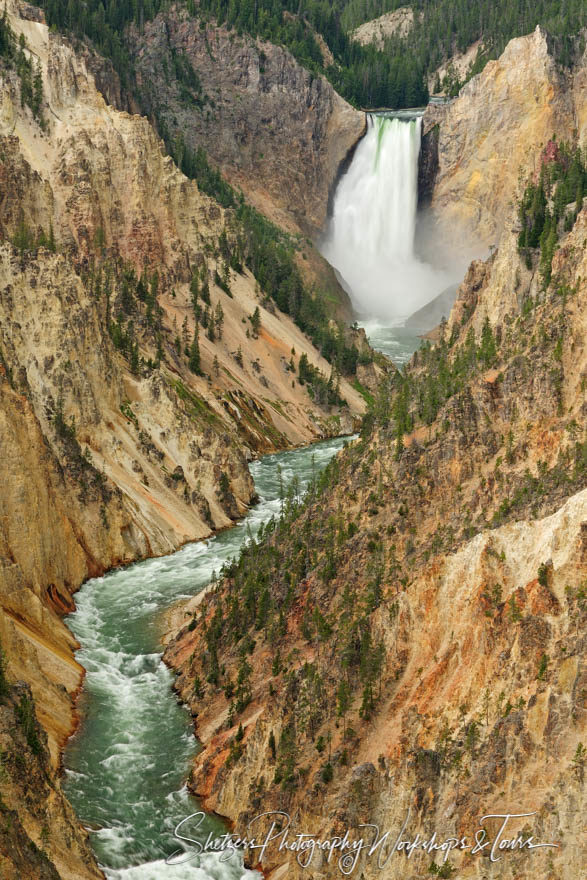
(127, 764)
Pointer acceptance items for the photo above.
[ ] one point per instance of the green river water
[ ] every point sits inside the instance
(127, 764)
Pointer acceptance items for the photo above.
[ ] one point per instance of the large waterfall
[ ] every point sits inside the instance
(370, 238)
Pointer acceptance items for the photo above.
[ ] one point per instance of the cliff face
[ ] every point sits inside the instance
(276, 131)
(429, 657)
(100, 178)
(492, 133)
(45, 833)
(397, 23)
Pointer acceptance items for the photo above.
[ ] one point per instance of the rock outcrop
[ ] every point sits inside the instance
(45, 833)
(276, 131)
(398, 23)
(491, 134)
(458, 66)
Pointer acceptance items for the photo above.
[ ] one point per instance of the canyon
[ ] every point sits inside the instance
(105, 463)
(450, 559)
(481, 674)
(456, 549)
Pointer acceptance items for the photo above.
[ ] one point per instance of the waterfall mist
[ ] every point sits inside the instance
(370, 240)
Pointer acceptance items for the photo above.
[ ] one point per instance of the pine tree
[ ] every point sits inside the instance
(219, 319)
(255, 320)
(194, 362)
(488, 349)
(548, 249)
(37, 101)
(205, 288)
(23, 238)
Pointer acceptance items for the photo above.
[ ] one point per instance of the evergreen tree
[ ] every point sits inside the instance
(219, 319)
(37, 99)
(194, 362)
(488, 348)
(255, 320)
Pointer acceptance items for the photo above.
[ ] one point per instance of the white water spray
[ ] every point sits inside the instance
(370, 239)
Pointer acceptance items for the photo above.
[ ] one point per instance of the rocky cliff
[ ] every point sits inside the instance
(397, 23)
(39, 829)
(277, 132)
(491, 134)
(420, 660)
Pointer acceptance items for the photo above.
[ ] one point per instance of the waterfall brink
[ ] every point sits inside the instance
(370, 239)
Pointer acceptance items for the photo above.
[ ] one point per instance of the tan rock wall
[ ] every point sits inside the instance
(491, 134)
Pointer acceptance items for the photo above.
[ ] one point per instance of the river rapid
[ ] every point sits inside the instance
(126, 766)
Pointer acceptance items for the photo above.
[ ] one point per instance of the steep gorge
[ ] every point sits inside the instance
(422, 652)
(113, 450)
(105, 464)
(443, 580)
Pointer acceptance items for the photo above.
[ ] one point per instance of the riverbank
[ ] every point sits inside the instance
(127, 764)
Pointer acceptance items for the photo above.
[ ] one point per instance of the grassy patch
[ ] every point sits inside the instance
(364, 392)
(196, 406)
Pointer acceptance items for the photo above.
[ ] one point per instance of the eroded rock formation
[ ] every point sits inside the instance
(277, 131)
(397, 23)
(490, 136)
(450, 561)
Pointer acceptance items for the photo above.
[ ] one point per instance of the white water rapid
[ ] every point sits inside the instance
(127, 764)
(370, 238)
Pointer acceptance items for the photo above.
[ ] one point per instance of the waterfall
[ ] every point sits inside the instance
(370, 238)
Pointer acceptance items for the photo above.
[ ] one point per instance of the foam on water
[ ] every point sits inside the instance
(370, 239)
(126, 766)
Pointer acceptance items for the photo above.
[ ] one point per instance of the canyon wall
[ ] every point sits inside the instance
(276, 131)
(430, 664)
(490, 136)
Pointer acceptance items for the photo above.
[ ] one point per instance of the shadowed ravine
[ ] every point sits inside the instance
(126, 766)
